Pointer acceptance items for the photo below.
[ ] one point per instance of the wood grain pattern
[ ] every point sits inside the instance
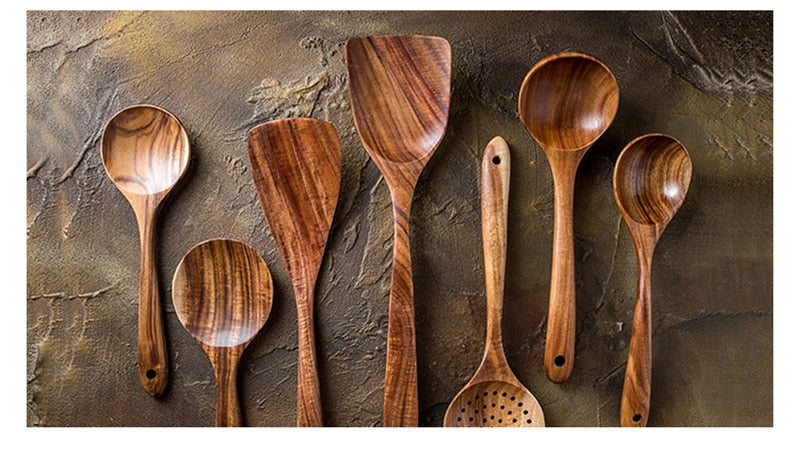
(222, 292)
(494, 397)
(400, 96)
(145, 151)
(566, 102)
(651, 178)
(296, 166)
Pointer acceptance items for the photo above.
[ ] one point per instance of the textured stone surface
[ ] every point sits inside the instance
(705, 78)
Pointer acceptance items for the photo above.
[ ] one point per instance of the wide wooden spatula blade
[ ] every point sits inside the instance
(296, 166)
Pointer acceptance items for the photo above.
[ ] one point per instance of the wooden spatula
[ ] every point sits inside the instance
(296, 166)
(400, 95)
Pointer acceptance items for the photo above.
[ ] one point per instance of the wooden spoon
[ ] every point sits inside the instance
(145, 151)
(494, 396)
(566, 102)
(296, 166)
(400, 96)
(222, 291)
(651, 178)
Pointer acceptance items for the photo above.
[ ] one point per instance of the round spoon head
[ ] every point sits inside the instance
(400, 93)
(222, 291)
(651, 178)
(145, 150)
(568, 100)
(494, 404)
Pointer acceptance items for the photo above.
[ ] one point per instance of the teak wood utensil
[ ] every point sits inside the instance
(400, 96)
(296, 166)
(145, 151)
(222, 292)
(566, 102)
(651, 179)
(494, 396)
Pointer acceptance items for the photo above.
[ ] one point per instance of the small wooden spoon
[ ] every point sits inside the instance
(222, 292)
(651, 178)
(145, 151)
(296, 166)
(494, 396)
(566, 102)
(400, 96)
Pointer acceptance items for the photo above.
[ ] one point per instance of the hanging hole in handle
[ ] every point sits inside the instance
(637, 417)
(496, 159)
(560, 361)
(150, 374)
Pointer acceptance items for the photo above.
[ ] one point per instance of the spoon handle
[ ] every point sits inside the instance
(495, 176)
(635, 406)
(400, 406)
(559, 352)
(226, 364)
(152, 346)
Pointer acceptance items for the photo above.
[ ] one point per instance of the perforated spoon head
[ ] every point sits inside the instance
(494, 404)
(567, 101)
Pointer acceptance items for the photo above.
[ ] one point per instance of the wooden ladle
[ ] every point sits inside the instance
(222, 292)
(145, 151)
(296, 166)
(400, 96)
(651, 179)
(494, 396)
(566, 102)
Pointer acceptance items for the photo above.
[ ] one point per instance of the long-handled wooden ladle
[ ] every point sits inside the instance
(145, 151)
(296, 166)
(494, 397)
(651, 179)
(400, 96)
(222, 292)
(566, 102)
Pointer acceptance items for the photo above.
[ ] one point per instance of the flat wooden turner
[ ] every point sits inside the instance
(296, 166)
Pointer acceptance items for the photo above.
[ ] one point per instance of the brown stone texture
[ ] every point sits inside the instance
(702, 77)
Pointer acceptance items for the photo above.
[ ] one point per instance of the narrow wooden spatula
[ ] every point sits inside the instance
(296, 166)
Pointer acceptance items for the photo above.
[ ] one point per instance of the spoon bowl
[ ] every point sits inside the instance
(566, 102)
(651, 178)
(222, 292)
(145, 152)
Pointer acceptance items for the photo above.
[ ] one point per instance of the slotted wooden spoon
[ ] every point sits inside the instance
(566, 102)
(494, 397)
(222, 292)
(651, 178)
(400, 96)
(145, 151)
(296, 166)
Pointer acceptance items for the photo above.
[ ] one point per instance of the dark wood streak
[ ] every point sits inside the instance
(145, 151)
(566, 102)
(296, 167)
(222, 292)
(494, 396)
(400, 96)
(651, 178)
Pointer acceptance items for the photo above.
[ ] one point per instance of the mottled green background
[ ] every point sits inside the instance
(704, 78)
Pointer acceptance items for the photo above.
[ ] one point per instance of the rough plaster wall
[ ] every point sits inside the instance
(705, 78)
